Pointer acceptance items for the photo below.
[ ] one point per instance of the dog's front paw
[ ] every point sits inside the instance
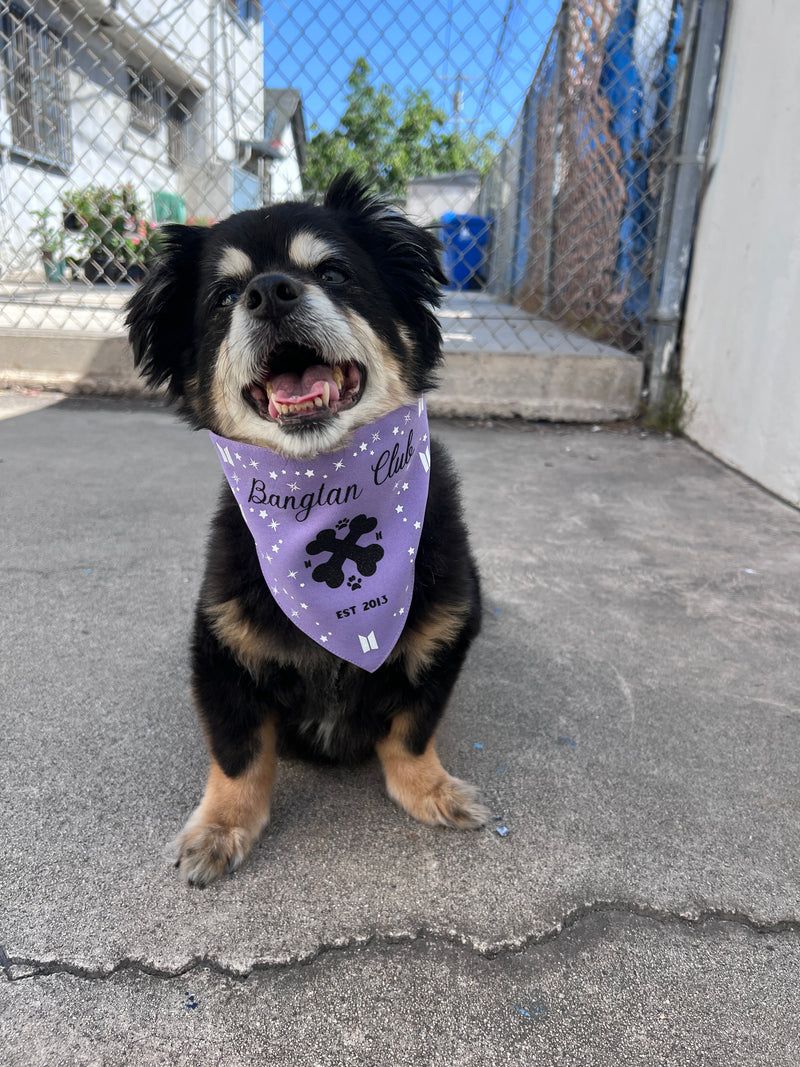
(230, 818)
(204, 851)
(451, 802)
(421, 785)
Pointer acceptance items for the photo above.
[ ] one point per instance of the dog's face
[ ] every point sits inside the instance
(291, 326)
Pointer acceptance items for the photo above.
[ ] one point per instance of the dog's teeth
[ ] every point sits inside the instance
(326, 395)
(338, 377)
(269, 390)
(318, 401)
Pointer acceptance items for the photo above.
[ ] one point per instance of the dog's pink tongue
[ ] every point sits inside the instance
(291, 389)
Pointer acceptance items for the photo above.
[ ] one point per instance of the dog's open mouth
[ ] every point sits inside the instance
(300, 387)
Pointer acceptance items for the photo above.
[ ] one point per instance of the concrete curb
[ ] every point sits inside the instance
(557, 387)
(553, 387)
(73, 363)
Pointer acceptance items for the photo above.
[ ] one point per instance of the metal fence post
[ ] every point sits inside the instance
(559, 81)
(682, 192)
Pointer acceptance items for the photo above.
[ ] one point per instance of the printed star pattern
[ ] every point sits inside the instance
(361, 619)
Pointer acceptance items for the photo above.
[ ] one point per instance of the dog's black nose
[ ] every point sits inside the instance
(271, 296)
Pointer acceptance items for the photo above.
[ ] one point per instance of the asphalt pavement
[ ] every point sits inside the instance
(630, 713)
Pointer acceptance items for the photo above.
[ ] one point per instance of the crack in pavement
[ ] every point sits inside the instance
(41, 968)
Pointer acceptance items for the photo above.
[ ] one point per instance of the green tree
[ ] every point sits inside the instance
(389, 142)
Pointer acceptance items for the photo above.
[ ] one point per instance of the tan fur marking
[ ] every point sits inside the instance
(308, 251)
(250, 644)
(225, 401)
(407, 339)
(230, 818)
(422, 786)
(420, 643)
(386, 381)
(234, 263)
(247, 642)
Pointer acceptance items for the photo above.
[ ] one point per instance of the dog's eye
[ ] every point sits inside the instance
(227, 298)
(332, 275)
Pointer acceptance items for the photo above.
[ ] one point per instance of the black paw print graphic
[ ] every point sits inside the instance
(340, 525)
(365, 557)
(354, 582)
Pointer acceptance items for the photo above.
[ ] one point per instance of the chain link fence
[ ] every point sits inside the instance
(533, 134)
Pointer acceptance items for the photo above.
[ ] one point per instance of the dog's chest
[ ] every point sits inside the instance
(330, 720)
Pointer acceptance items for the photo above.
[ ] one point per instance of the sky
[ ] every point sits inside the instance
(492, 46)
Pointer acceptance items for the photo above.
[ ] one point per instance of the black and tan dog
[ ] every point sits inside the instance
(343, 293)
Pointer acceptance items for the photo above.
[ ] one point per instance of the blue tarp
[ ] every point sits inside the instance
(622, 86)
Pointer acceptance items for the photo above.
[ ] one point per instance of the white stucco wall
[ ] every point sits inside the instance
(197, 44)
(741, 339)
(286, 182)
(427, 199)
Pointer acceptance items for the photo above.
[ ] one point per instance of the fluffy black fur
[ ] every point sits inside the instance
(178, 323)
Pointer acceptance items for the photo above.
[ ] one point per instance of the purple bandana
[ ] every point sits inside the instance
(337, 536)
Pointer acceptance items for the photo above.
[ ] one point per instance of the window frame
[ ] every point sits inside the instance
(34, 62)
(147, 100)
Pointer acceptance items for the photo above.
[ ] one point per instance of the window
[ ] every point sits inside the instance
(177, 121)
(154, 104)
(146, 98)
(247, 11)
(35, 67)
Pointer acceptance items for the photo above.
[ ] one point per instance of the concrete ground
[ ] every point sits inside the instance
(631, 715)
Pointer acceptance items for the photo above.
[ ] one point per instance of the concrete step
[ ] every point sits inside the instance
(500, 362)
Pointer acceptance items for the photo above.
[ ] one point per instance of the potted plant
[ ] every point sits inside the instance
(140, 246)
(107, 223)
(51, 244)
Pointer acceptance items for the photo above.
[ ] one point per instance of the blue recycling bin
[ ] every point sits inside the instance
(466, 249)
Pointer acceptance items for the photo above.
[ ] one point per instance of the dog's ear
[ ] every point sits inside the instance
(410, 254)
(407, 257)
(160, 315)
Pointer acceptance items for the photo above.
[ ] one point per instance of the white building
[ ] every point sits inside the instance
(427, 199)
(166, 98)
(285, 134)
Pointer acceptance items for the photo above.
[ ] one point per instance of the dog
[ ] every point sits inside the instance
(291, 332)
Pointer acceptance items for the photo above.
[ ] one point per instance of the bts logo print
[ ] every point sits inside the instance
(337, 536)
(366, 558)
(368, 643)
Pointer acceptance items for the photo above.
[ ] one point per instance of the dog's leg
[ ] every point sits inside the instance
(231, 816)
(420, 784)
(240, 734)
